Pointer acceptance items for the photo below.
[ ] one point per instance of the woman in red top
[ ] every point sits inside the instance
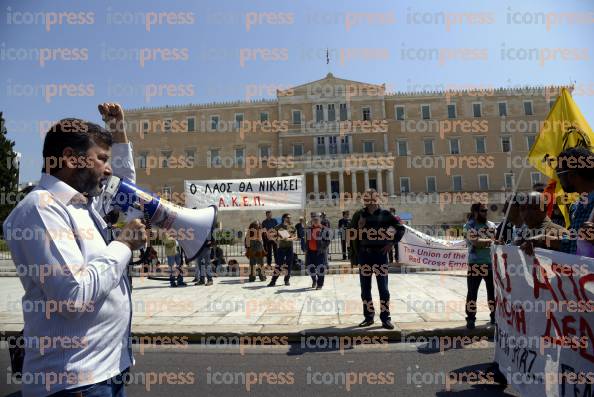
(317, 241)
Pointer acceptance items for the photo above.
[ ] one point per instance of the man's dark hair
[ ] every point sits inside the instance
(474, 208)
(345, 213)
(80, 135)
(578, 159)
(284, 216)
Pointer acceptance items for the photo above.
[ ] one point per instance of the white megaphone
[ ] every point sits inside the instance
(195, 225)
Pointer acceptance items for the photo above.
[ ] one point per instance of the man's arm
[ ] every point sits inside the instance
(57, 265)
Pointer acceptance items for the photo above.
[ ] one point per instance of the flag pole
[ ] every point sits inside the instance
(515, 190)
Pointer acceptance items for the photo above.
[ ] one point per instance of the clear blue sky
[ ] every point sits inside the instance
(305, 29)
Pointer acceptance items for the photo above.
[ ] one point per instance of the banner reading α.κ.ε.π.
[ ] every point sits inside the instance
(285, 192)
(545, 321)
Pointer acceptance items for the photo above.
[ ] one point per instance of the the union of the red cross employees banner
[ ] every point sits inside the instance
(286, 192)
(416, 248)
(545, 321)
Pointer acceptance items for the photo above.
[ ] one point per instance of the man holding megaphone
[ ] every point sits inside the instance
(74, 276)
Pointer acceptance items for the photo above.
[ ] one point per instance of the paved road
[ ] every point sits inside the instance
(398, 369)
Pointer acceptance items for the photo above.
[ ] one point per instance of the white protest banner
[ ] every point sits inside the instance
(286, 192)
(545, 321)
(416, 248)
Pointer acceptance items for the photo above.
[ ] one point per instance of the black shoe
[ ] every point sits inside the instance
(366, 323)
(200, 282)
(251, 279)
(208, 283)
(470, 324)
(181, 284)
(172, 285)
(195, 280)
(387, 324)
(262, 277)
(271, 284)
(319, 287)
(287, 283)
(313, 284)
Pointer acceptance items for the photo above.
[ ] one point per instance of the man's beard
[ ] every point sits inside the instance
(87, 183)
(481, 218)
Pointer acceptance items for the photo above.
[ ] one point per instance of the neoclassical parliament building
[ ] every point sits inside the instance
(431, 154)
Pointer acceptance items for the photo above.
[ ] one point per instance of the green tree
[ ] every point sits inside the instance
(9, 173)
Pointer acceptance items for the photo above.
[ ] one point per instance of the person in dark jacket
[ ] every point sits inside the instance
(375, 232)
(317, 241)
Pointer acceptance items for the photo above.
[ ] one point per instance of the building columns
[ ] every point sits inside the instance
(391, 182)
(340, 183)
(379, 180)
(354, 182)
(315, 183)
(328, 186)
(366, 175)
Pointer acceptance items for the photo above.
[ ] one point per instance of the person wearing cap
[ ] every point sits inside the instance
(317, 241)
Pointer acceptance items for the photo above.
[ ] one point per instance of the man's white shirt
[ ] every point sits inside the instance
(76, 307)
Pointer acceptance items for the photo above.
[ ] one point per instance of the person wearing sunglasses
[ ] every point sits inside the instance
(479, 234)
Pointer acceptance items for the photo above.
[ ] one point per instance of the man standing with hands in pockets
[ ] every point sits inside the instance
(69, 267)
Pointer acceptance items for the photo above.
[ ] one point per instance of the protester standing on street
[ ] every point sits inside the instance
(317, 241)
(255, 251)
(576, 174)
(376, 233)
(86, 277)
(270, 246)
(285, 234)
(203, 264)
(173, 255)
(343, 224)
(479, 234)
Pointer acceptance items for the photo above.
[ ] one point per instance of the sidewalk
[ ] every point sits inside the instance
(422, 303)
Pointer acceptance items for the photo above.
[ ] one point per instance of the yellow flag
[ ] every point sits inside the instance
(565, 127)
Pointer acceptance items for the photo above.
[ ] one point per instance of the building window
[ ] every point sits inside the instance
(528, 108)
(502, 109)
(551, 103)
(368, 147)
(509, 181)
(165, 156)
(477, 110)
(239, 157)
(191, 124)
(534, 178)
(366, 113)
(142, 159)
(332, 144)
(343, 112)
(345, 146)
(145, 126)
(331, 112)
(402, 148)
(452, 111)
(431, 184)
(215, 157)
(214, 123)
(190, 157)
(454, 146)
(263, 117)
(264, 152)
(319, 113)
(428, 144)
(297, 149)
(425, 112)
(297, 117)
(166, 192)
(530, 139)
(320, 145)
(457, 183)
(238, 120)
(400, 113)
(506, 146)
(404, 184)
(480, 143)
(483, 182)
(167, 125)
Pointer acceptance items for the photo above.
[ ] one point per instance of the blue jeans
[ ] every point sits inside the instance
(374, 262)
(203, 266)
(113, 387)
(284, 258)
(316, 266)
